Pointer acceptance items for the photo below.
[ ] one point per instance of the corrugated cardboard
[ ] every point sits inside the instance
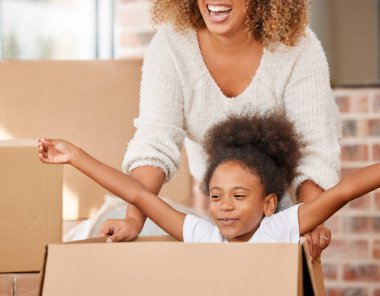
(30, 206)
(92, 104)
(174, 268)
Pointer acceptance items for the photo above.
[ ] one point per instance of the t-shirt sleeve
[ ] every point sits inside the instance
(282, 227)
(197, 229)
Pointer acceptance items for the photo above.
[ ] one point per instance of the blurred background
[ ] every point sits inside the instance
(350, 34)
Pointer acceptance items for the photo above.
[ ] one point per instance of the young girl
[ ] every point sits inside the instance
(252, 161)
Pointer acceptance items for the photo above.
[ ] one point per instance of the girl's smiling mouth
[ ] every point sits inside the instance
(227, 221)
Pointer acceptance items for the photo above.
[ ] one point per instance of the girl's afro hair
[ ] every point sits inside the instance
(266, 144)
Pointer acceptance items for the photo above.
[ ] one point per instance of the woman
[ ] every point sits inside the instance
(212, 58)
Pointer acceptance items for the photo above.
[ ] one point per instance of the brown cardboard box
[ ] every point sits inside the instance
(92, 104)
(30, 206)
(174, 268)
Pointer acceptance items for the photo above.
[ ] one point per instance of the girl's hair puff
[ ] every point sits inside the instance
(267, 145)
(269, 21)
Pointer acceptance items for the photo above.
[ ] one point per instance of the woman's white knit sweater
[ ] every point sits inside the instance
(179, 98)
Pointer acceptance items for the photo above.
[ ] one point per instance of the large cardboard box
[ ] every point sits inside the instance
(30, 206)
(175, 268)
(92, 104)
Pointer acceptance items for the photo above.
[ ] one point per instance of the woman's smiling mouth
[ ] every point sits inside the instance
(219, 12)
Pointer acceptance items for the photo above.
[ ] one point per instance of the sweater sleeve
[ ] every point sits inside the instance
(310, 105)
(160, 125)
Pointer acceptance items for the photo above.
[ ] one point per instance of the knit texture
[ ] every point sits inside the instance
(179, 99)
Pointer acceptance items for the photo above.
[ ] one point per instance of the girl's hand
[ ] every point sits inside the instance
(55, 151)
(318, 240)
(119, 230)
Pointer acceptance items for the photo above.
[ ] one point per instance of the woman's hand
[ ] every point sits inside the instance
(55, 151)
(120, 230)
(318, 240)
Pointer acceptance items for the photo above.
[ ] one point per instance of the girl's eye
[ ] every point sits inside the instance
(239, 196)
(215, 196)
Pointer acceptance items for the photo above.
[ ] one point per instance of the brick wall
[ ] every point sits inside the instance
(133, 28)
(352, 262)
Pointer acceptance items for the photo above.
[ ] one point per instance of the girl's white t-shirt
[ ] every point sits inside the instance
(282, 227)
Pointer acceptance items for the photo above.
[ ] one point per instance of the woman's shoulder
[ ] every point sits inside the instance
(307, 52)
(168, 37)
(175, 49)
(308, 44)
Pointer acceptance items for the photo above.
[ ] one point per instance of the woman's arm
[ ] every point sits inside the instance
(309, 104)
(153, 155)
(152, 179)
(120, 184)
(328, 203)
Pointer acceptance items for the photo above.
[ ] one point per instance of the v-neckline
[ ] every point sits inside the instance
(215, 84)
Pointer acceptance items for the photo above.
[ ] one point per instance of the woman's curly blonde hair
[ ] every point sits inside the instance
(267, 20)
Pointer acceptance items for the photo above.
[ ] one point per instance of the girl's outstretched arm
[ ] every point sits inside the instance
(329, 202)
(115, 181)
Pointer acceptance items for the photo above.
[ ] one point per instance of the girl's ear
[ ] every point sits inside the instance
(270, 204)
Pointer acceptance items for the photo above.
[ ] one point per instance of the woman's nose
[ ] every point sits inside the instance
(226, 204)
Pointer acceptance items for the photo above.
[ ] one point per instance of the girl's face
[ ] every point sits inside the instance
(224, 17)
(237, 203)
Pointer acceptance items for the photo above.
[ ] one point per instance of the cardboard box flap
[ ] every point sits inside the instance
(141, 238)
(167, 268)
(315, 278)
(30, 206)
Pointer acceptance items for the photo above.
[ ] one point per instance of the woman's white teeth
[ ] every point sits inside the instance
(218, 8)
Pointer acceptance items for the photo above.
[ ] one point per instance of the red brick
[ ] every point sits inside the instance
(376, 224)
(343, 103)
(330, 271)
(376, 103)
(343, 249)
(374, 127)
(27, 284)
(361, 272)
(130, 39)
(354, 153)
(377, 199)
(359, 104)
(6, 285)
(131, 1)
(351, 291)
(135, 18)
(363, 128)
(346, 171)
(349, 128)
(376, 249)
(356, 224)
(333, 224)
(361, 203)
(376, 152)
